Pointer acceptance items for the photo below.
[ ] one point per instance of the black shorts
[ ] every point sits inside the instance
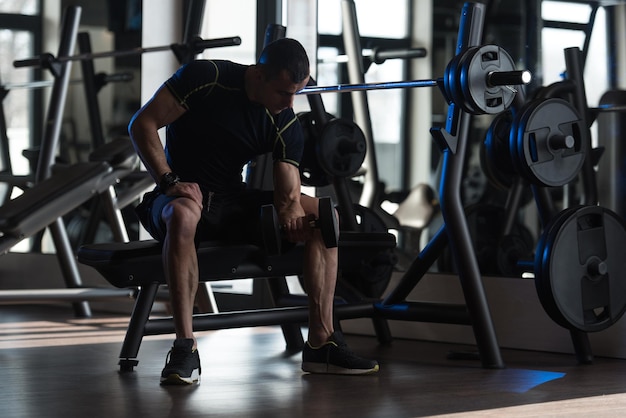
(233, 218)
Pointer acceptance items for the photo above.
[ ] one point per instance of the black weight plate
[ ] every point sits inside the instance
(341, 148)
(451, 81)
(270, 230)
(580, 268)
(530, 142)
(463, 98)
(494, 156)
(328, 223)
(311, 173)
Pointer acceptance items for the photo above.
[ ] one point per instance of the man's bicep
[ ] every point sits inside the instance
(162, 109)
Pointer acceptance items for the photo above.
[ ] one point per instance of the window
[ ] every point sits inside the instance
(231, 18)
(555, 40)
(23, 7)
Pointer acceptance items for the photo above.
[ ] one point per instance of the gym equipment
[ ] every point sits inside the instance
(611, 131)
(327, 224)
(453, 141)
(545, 142)
(196, 45)
(47, 201)
(138, 263)
(579, 268)
(337, 151)
(123, 265)
(379, 56)
(542, 142)
(59, 190)
(478, 79)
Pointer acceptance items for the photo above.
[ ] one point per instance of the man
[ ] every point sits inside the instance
(218, 116)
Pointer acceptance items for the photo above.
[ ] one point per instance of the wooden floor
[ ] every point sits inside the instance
(54, 365)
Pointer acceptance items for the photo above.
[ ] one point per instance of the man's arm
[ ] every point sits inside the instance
(162, 109)
(287, 193)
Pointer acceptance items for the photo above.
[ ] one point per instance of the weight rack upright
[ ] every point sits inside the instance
(453, 141)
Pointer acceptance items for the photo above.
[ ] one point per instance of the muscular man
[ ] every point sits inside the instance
(218, 116)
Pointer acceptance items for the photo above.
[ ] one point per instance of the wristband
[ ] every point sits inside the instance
(168, 180)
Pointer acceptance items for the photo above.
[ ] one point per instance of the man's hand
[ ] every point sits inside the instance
(298, 229)
(188, 190)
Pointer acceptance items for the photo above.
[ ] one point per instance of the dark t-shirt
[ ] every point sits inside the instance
(222, 129)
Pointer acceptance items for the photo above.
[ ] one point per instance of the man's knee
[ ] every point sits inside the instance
(182, 215)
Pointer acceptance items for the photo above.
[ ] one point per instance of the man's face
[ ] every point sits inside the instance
(278, 94)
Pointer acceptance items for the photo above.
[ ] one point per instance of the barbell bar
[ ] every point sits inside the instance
(31, 85)
(197, 44)
(495, 78)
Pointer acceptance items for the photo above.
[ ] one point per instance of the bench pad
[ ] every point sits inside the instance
(51, 198)
(139, 262)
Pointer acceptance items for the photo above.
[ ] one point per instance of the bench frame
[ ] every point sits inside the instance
(139, 264)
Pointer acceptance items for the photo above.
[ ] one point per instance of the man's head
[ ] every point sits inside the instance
(284, 55)
(282, 70)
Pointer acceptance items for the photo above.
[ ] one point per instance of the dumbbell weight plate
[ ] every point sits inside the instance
(530, 142)
(580, 269)
(328, 223)
(270, 230)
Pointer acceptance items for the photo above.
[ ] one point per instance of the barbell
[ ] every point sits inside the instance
(195, 45)
(479, 79)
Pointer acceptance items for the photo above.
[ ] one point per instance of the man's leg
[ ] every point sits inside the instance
(320, 278)
(180, 264)
(325, 350)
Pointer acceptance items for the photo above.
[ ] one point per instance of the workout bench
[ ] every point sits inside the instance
(139, 264)
(44, 204)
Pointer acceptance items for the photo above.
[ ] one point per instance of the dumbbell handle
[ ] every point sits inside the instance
(311, 219)
(508, 78)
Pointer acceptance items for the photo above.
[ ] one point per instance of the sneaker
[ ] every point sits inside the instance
(334, 357)
(182, 365)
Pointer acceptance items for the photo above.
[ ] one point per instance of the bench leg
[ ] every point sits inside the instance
(68, 265)
(205, 299)
(136, 326)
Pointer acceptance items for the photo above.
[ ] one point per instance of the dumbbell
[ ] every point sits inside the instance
(327, 224)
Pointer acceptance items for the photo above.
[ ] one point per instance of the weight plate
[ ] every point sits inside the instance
(494, 155)
(311, 173)
(580, 270)
(538, 143)
(452, 89)
(478, 96)
(341, 148)
(328, 223)
(270, 230)
(462, 78)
